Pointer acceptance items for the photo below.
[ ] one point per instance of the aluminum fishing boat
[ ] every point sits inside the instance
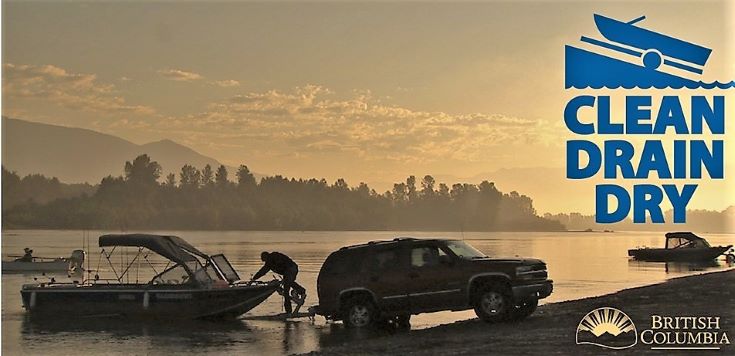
(192, 285)
(44, 264)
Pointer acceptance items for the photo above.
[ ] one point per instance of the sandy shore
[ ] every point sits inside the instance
(551, 330)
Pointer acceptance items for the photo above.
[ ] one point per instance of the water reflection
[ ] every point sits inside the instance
(120, 333)
(682, 267)
(194, 331)
(337, 334)
(679, 267)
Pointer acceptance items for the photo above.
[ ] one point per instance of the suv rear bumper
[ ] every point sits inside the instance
(536, 290)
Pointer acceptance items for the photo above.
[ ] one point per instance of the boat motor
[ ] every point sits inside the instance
(76, 261)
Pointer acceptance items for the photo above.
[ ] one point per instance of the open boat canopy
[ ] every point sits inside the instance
(172, 247)
(681, 239)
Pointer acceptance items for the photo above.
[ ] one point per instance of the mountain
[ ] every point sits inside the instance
(76, 155)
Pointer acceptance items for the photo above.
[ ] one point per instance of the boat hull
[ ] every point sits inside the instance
(144, 301)
(677, 255)
(30, 267)
(644, 39)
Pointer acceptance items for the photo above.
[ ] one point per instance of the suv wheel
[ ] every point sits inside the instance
(359, 312)
(493, 303)
(523, 310)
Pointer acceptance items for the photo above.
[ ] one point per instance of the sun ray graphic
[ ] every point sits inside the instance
(606, 320)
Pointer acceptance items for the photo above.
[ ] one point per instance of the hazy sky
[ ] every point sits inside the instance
(366, 91)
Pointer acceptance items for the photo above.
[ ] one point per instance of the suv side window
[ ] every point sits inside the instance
(427, 256)
(383, 260)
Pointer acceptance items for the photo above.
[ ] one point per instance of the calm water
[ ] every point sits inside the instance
(581, 264)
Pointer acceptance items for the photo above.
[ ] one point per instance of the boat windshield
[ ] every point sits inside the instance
(226, 268)
(678, 242)
(174, 275)
(179, 275)
(204, 275)
(464, 250)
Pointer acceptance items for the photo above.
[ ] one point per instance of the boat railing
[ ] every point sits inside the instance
(125, 267)
(130, 267)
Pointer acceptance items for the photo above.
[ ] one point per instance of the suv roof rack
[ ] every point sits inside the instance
(375, 242)
(404, 239)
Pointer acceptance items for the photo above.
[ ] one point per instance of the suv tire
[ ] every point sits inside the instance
(493, 303)
(359, 312)
(523, 310)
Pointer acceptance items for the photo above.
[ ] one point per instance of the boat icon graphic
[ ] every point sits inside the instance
(628, 55)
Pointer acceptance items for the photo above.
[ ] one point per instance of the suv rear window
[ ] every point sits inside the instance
(341, 263)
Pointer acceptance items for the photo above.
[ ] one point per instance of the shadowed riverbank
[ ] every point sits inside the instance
(551, 330)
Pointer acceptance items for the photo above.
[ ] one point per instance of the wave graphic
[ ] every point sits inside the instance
(584, 69)
(717, 85)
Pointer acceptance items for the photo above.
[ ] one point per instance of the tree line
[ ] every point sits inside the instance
(210, 198)
(701, 221)
(38, 189)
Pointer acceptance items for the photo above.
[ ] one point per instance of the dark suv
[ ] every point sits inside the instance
(391, 280)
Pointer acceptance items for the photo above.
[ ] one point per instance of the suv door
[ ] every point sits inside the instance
(436, 279)
(385, 274)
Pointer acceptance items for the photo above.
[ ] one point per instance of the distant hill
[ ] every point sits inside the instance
(76, 155)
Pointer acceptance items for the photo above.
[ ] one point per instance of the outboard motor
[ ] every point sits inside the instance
(76, 261)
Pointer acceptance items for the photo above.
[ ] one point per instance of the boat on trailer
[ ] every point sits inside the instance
(195, 285)
(680, 247)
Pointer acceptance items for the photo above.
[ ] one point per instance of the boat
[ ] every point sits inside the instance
(652, 47)
(44, 264)
(629, 34)
(192, 285)
(680, 247)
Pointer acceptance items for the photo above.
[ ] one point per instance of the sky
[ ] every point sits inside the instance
(371, 92)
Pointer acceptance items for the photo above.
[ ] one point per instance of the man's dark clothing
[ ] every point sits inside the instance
(285, 266)
(276, 262)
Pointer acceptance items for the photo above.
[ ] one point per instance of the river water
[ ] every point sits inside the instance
(582, 264)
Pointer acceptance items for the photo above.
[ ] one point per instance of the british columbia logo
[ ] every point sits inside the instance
(607, 327)
(611, 328)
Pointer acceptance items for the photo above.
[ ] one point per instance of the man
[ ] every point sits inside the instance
(286, 267)
(27, 256)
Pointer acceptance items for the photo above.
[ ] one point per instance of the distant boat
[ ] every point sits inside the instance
(44, 264)
(195, 285)
(680, 246)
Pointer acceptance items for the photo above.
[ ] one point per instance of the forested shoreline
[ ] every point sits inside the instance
(702, 221)
(214, 199)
